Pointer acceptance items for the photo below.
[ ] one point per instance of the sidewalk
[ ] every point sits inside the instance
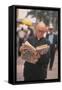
(54, 73)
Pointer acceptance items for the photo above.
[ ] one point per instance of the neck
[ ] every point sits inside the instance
(39, 38)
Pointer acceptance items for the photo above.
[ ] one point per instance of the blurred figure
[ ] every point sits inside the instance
(21, 34)
(23, 31)
(53, 43)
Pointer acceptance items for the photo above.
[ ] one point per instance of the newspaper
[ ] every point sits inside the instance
(32, 54)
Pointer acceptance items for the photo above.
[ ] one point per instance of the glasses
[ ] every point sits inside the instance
(41, 31)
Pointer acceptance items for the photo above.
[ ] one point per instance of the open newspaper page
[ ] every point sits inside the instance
(43, 49)
(31, 54)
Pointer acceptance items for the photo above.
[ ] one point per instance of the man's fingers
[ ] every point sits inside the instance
(44, 52)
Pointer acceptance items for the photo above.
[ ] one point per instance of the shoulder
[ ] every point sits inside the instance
(47, 41)
(31, 39)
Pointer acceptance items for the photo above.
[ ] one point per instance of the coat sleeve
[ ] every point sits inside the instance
(55, 40)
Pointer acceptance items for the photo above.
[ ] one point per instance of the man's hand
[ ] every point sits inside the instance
(44, 52)
(24, 47)
(36, 55)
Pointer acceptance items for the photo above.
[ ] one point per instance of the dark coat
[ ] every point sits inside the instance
(55, 39)
(37, 71)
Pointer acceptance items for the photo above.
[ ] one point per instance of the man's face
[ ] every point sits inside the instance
(51, 30)
(40, 33)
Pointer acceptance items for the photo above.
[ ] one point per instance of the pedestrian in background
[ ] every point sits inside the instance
(53, 43)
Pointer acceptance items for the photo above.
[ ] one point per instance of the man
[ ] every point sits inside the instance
(53, 43)
(37, 71)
